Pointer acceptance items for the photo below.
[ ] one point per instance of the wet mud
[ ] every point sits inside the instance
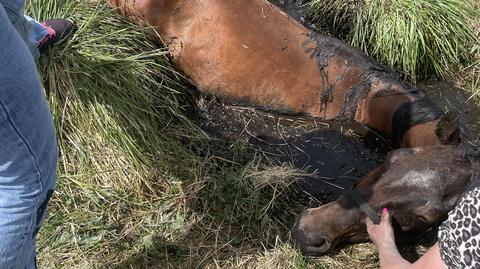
(296, 9)
(451, 98)
(337, 154)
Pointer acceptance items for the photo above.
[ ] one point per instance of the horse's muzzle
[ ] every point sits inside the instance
(309, 243)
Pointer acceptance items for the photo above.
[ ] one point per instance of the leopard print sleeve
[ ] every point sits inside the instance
(459, 235)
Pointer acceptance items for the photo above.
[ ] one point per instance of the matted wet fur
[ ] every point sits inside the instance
(250, 52)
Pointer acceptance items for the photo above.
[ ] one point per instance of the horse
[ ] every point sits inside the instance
(418, 185)
(249, 52)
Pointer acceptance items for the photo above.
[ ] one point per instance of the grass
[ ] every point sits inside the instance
(469, 76)
(139, 184)
(420, 38)
(124, 140)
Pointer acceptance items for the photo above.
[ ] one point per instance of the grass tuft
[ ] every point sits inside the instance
(419, 38)
(124, 141)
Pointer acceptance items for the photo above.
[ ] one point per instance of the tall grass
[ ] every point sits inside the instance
(124, 141)
(419, 38)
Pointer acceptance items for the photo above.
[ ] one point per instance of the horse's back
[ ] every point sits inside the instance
(237, 50)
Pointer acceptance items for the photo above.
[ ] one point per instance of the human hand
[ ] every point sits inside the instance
(381, 234)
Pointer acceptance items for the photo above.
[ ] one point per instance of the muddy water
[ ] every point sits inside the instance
(336, 154)
(451, 98)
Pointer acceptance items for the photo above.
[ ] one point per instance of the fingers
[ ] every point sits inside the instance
(385, 216)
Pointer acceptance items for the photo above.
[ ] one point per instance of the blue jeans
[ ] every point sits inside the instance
(28, 150)
(29, 29)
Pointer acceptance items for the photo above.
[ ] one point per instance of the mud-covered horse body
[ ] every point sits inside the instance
(251, 52)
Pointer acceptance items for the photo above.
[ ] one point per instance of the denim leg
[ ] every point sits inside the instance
(29, 29)
(28, 150)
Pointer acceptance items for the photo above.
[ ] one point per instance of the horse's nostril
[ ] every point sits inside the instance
(319, 243)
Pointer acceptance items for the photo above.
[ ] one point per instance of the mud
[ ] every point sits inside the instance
(336, 154)
(296, 9)
(451, 98)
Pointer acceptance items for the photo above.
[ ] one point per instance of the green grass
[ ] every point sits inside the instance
(125, 144)
(419, 38)
(469, 77)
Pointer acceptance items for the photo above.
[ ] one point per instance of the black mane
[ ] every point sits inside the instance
(409, 114)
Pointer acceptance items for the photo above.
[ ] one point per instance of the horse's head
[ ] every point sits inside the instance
(418, 186)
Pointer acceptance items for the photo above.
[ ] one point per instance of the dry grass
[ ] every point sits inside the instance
(283, 256)
(469, 77)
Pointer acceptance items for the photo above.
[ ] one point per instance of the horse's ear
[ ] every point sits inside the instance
(448, 130)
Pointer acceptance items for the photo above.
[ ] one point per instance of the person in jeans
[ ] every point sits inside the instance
(28, 149)
(37, 36)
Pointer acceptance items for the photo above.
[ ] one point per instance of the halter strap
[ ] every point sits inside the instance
(363, 205)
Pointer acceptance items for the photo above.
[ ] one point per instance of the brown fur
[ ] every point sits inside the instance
(251, 52)
(413, 207)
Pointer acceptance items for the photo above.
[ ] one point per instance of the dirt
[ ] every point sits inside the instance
(337, 154)
(451, 98)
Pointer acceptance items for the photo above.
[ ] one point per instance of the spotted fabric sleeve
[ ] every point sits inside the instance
(459, 235)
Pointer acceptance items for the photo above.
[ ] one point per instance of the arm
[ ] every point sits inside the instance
(382, 235)
(431, 259)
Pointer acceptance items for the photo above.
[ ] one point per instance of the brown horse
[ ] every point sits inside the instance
(250, 52)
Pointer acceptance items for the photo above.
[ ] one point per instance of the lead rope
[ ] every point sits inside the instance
(363, 205)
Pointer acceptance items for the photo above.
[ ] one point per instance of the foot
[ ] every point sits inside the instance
(58, 31)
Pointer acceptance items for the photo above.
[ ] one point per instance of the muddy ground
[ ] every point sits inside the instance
(336, 154)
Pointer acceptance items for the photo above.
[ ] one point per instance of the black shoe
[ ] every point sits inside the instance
(58, 31)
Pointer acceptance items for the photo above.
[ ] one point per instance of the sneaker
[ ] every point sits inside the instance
(58, 31)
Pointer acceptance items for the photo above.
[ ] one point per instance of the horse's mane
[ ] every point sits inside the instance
(409, 114)
(419, 111)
